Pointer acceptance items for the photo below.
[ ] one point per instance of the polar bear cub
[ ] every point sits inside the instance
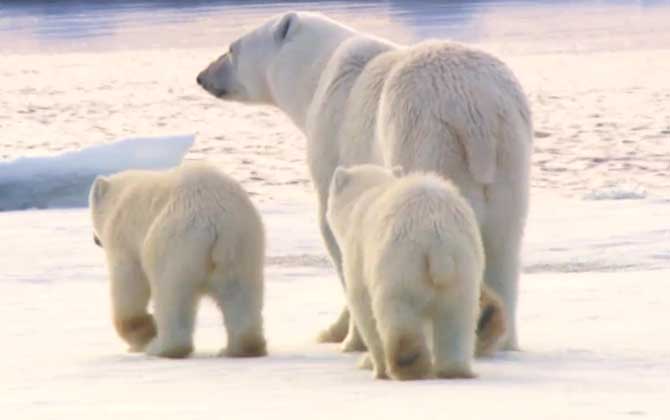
(172, 237)
(412, 257)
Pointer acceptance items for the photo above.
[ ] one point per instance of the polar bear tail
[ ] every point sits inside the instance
(442, 267)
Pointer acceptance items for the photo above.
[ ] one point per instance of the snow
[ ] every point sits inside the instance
(64, 180)
(618, 191)
(588, 236)
(596, 259)
(595, 344)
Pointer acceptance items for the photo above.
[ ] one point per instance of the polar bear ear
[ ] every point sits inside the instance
(340, 179)
(398, 171)
(286, 26)
(100, 188)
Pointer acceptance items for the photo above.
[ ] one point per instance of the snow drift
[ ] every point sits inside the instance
(64, 180)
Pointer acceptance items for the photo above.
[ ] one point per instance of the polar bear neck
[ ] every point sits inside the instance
(293, 82)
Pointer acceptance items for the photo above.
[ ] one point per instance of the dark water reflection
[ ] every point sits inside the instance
(36, 26)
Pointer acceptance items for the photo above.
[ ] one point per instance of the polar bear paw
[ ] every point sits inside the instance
(491, 326)
(455, 372)
(365, 362)
(336, 332)
(379, 374)
(330, 336)
(250, 346)
(409, 359)
(175, 350)
(137, 331)
(353, 343)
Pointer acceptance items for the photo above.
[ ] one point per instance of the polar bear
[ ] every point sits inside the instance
(436, 106)
(411, 253)
(173, 236)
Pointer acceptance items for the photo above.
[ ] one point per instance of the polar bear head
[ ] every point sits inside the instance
(105, 197)
(357, 179)
(240, 73)
(99, 205)
(348, 184)
(277, 60)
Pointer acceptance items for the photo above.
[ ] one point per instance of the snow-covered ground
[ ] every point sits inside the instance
(593, 312)
(593, 329)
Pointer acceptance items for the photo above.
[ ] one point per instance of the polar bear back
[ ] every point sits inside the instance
(444, 100)
(426, 210)
(140, 208)
(202, 191)
(420, 217)
(435, 106)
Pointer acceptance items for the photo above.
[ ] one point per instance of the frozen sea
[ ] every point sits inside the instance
(594, 292)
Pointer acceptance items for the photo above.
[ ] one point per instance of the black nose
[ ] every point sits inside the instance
(199, 79)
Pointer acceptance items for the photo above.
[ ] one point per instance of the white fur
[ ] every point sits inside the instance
(412, 254)
(174, 236)
(435, 106)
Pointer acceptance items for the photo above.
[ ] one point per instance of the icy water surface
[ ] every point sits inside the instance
(541, 26)
(78, 73)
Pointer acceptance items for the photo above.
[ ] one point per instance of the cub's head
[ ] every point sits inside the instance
(99, 200)
(360, 178)
(279, 49)
(348, 184)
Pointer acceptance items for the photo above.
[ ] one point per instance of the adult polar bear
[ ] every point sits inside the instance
(435, 106)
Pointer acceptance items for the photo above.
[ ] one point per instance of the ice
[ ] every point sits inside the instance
(597, 236)
(621, 191)
(64, 180)
(595, 343)
(599, 103)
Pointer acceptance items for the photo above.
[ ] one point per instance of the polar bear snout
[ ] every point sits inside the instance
(204, 79)
(215, 78)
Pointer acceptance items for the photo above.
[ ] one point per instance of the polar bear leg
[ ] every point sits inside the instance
(130, 294)
(176, 291)
(361, 311)
(401, 327)
(239, 294)
(365, 362)
(353, 342)
(337, 332)
(502, 275)
(501, 235)
(454, 320)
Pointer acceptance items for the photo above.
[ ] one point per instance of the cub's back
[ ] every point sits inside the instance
(202, 194)
(425, 207)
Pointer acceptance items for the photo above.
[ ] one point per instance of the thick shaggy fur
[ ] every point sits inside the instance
(173, 237)
(435, 106)
(412, 255)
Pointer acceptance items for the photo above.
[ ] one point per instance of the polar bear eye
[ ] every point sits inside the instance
(233, 48)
